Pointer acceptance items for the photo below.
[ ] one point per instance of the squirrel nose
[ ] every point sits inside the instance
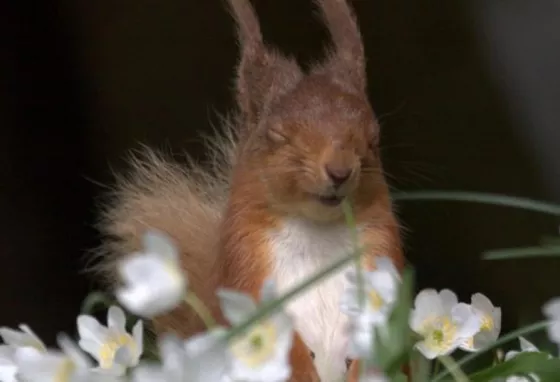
(338, 175)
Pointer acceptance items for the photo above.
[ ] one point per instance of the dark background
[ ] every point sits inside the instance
(467, 93)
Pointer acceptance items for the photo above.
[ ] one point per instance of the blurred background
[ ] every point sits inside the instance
(467, 93)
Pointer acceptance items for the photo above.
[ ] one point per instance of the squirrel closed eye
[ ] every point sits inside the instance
(268, 206)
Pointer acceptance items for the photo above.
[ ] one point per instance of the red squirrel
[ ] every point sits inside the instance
(269, 205)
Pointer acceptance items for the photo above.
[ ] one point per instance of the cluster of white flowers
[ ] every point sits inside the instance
(154, 284)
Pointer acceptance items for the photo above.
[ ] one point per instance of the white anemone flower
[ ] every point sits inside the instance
(69, 364)
(199, 359)
(154, 281)
(111, 345)
(551, 310)
(25, 337)
(442, 321)
(380, 287)
(262, 352)
(8, 368)
(491, 323)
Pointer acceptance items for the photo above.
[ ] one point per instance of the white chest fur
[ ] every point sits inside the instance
(301, 249)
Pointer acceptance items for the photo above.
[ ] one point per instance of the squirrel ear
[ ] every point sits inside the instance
(262, 75)
(347, 62)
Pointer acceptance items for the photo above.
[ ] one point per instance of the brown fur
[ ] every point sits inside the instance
(293, 128)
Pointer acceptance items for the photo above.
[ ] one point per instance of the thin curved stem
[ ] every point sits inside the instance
(198, 306)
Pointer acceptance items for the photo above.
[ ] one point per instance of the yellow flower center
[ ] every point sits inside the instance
(439, 332)
(108, 350)
(375, 300)
(487, 323)
(64, 371)
(257, 345)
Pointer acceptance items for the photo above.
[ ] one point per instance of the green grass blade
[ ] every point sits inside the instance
(485, 198)
(519, 253)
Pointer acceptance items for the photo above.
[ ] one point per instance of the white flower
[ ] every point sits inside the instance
(491, 323)
(25, 337)
(380, 291)
(199, 359)
(442, 321)
(68, 365)
(8, 368)
(380, 288)
(155, 283)
(261, 353)
(111, 346)
(551, 310)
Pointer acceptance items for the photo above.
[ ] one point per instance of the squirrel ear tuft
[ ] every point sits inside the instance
(347, 62)
(262, 75)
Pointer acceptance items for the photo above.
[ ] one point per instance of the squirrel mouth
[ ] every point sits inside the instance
(331, 200)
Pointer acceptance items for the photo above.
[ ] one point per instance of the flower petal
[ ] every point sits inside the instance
(426, 304)
(25, 337)
(428, 352)
(116, 319)
(448, 299)
(138, 336)
(552, 309)
(90, 329)
(467, 321)
(268, 290)
(236, 306)
(527, 346)
(138, 268)
(73, 351)
(161, 244)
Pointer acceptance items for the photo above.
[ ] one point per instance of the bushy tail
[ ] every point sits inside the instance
(184, 201)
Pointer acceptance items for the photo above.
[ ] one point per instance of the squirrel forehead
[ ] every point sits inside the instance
(315, 101)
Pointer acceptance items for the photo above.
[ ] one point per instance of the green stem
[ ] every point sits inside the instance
(465, 196)
(270, 307)
(436, 366)
(508, 337)
(198, 306)
(453, 368)
(349, 217)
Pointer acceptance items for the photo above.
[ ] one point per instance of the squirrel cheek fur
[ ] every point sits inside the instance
(299, 145)
(309, 141)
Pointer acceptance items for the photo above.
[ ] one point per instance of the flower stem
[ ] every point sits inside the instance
(350, 221)
(436, 366)
(453, 368)
(198, 306)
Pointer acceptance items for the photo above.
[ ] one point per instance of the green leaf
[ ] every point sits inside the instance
(393, 342)
(523, 252)
(477, 197)
(547, 369)
(399, 377)
(419, 367)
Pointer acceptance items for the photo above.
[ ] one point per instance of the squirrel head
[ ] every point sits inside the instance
(310, 139)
